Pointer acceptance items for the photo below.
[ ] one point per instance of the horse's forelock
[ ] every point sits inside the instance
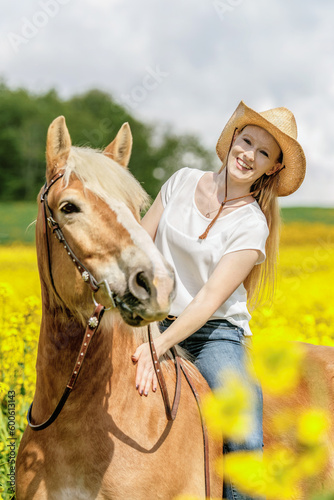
(105, 178)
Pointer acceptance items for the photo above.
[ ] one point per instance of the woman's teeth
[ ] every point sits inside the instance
(243, 164)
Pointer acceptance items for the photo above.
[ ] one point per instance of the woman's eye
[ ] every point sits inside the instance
(247, 141)
(265, 153)
(69, 208)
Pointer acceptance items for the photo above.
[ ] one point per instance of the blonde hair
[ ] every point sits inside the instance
(261, 281)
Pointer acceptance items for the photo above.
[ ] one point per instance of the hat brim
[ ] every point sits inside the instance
(291, 177)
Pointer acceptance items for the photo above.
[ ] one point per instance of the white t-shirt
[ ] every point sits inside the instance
(193, 259)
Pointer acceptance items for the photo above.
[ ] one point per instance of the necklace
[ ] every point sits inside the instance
(209, 212)
(215, 190)
(206, 232)
(207, 215)
(204, 235)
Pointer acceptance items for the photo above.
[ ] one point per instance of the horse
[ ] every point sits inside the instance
(314, 389)
(104, 441)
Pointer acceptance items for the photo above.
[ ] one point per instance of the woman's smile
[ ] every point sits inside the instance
(254, 152)
(242, 165)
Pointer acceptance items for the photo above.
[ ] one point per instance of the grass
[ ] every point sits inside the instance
(16, 219)
(308, 214)
(15, 222)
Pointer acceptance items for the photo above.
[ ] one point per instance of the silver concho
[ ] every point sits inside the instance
(93, 322)
(85, 276)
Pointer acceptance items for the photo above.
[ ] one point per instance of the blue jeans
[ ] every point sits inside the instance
(220, 346)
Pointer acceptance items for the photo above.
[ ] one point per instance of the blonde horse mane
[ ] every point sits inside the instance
(105, 178)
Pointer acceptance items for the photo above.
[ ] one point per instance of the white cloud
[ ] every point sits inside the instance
(276, 53)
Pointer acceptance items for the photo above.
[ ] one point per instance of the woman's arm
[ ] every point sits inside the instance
(230, 272)
(151, 219)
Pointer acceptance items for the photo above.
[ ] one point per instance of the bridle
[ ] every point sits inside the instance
(94, 320)
(92, 326)
(57, 231)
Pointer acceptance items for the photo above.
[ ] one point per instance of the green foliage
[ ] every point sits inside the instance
(93, 119)
(17, 222)
(308, 214)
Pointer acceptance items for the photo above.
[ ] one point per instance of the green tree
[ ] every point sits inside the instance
(93, 119)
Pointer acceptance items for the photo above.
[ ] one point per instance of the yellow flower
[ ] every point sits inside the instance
(282, 476)
(226, 411)
(6, 291)
(277, 364)
(244, 469)
(274, 475)
(312, 426)
(300, 311)
(312, 460)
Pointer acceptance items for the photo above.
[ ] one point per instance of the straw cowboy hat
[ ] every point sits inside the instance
(281, 124)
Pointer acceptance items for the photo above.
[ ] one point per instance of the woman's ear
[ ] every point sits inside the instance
(274, 169)
(235, 135)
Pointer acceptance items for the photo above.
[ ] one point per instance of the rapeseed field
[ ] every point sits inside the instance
(303, 310)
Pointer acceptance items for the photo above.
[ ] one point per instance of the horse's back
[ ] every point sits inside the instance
(314, 390)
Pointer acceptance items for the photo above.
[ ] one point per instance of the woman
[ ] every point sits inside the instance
(220, 232)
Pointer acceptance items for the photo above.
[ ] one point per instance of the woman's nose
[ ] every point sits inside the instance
(249, 154)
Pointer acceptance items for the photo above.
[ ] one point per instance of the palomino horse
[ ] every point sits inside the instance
(315, 389)
(107, 442)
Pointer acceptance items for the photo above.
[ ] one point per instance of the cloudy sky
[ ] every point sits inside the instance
(187, 63)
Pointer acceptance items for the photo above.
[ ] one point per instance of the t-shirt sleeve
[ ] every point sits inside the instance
(251, 234)
(171, 184)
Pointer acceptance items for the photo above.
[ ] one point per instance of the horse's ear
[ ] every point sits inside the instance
(120, 148)
(58, 144)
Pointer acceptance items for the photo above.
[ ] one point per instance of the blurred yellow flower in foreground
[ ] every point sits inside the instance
(312, 426)
(279, 472)
(226, 411)
(277, 364)
(273, 475)
(300, 311)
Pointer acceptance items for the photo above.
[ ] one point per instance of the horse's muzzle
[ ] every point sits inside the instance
(147, 298)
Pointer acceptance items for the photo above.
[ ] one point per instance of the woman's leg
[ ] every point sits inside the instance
(220, 349)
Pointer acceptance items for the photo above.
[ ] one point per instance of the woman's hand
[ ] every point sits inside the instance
(145, 375)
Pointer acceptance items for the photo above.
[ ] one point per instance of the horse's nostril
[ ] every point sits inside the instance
(143, 282)
(139, 285)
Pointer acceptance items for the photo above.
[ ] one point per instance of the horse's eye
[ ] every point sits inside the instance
(69, 208)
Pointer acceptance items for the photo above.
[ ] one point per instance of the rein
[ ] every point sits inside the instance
(171, 412)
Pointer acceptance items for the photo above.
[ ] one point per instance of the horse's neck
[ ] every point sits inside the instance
(108, 354)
